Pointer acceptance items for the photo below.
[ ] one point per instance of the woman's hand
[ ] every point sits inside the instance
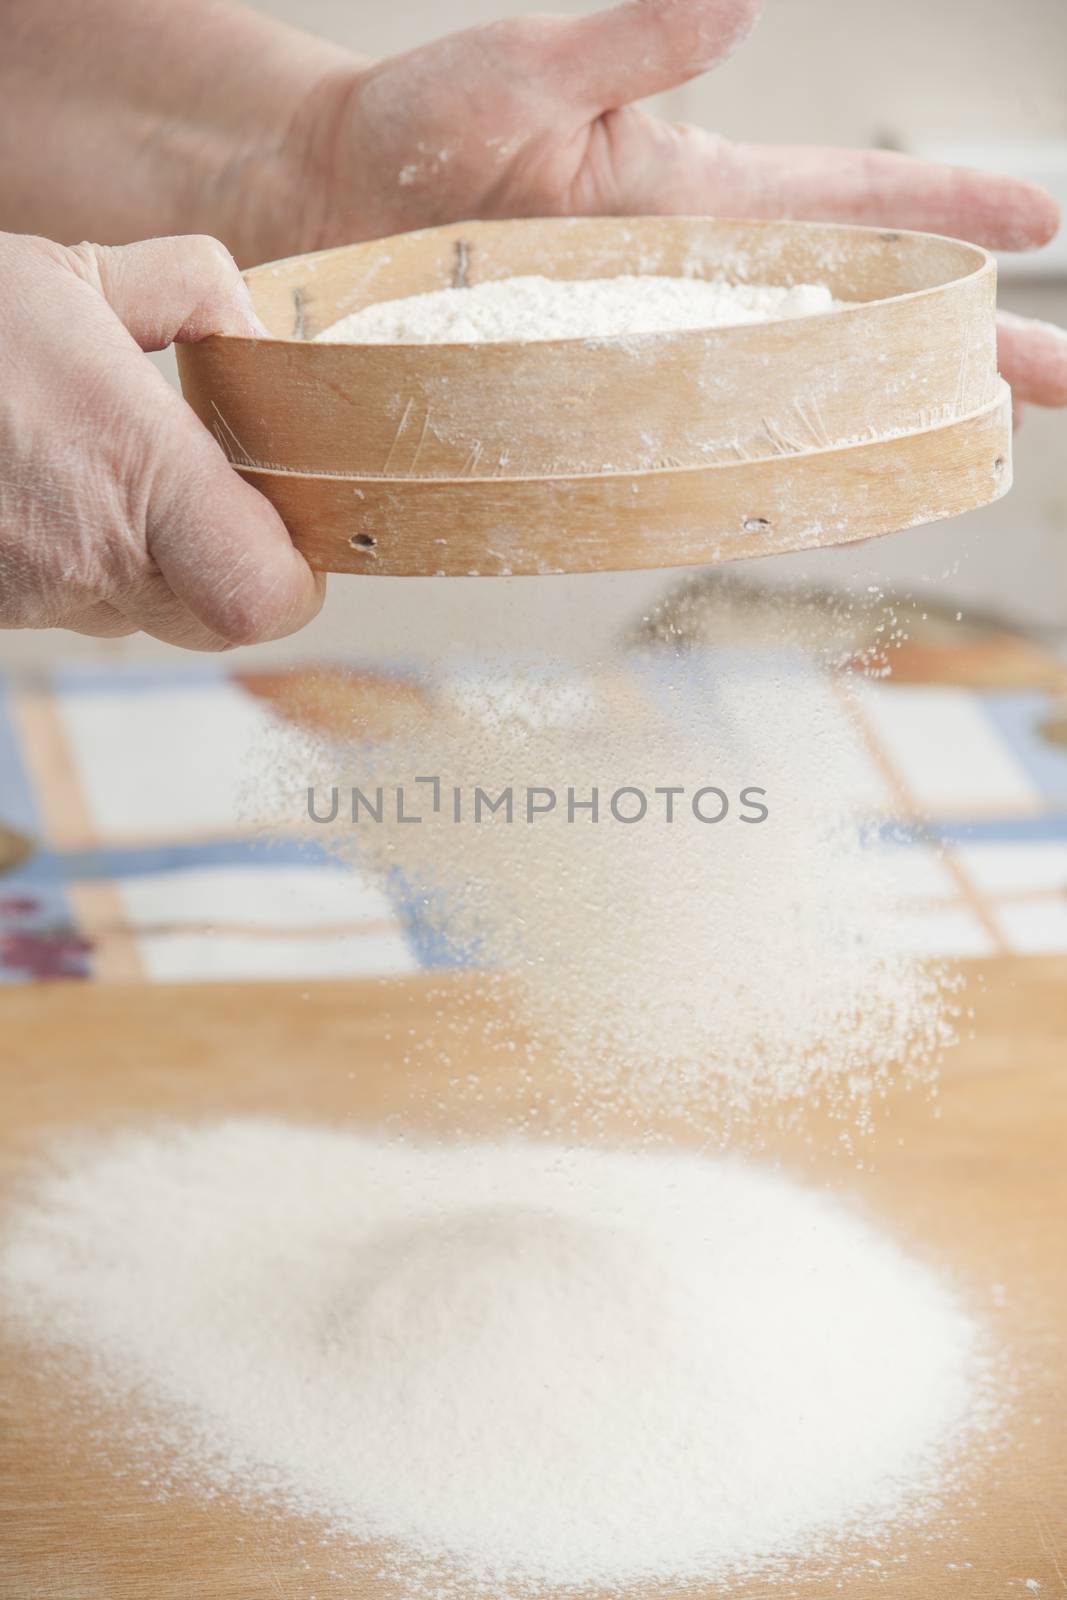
(279, 142)
(118, 510)
(535, 117)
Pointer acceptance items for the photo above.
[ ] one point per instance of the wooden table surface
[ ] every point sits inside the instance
(981, 1188)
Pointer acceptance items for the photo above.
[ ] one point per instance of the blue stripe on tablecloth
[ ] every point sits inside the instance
(1050, 826)
(423, 917)
(36, 922)
(138, 861)
(1016, 717)
(75, 680)
(136, 680)
(17, 806)
(1041, 829)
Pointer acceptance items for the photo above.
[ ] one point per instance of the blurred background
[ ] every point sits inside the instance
(126, 845)
(977, 82)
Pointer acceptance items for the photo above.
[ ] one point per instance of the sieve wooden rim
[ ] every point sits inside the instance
(437, 440)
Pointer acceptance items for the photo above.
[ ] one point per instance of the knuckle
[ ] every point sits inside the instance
(210, 256)
(213, 283)
(84, 260)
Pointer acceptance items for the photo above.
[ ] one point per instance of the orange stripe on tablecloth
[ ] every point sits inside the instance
(1030, 897)
(1003, 897)
(58, 793)
(101, 918)
(906, 806)
(67, 825)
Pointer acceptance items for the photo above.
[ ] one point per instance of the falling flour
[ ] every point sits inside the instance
(707, 967)
(548, 308)
(508, 1365)
(668, 961)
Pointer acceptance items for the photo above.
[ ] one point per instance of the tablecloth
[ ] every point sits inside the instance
(124, 855)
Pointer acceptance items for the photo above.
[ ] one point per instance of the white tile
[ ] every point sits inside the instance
(264, 896)
(809, 700)
(189, 957)
(169, 762)
(917, 872)
(946, 750)
(1038, 928)
(1018, 867)
(942, 931)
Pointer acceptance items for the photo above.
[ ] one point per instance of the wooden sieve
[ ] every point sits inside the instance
(649, 450)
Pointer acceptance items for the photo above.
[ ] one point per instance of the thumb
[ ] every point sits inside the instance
(221, 548)
(645, 46)
(167, 289)
(219, 544)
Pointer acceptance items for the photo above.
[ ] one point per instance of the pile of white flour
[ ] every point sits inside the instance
(518, 1365)
(549, 308)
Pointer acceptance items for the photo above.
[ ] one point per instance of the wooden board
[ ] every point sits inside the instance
(576, 455)
(982, 1189)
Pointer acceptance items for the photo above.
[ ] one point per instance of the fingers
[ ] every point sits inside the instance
(168, 289)
(153, 610)
(231, 573)
(221, 546)
(644, 46)
(1033, 359)
(882, 189)
(101, 621)
(156, 610)
(661, 168)
(150, 608)
(124, 511)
